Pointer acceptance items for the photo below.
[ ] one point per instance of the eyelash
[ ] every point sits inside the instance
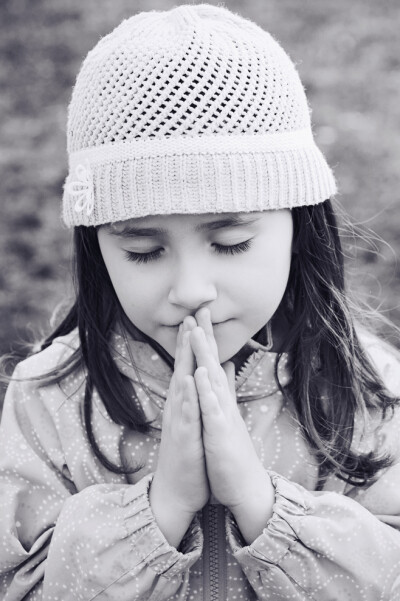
(233, 249)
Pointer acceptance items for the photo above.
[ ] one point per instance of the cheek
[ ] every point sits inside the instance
(264, 283)
(136, 294)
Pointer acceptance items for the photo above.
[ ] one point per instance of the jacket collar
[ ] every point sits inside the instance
(255, 378)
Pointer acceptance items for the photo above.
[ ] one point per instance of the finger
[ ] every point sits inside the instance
(178, 353)
(189, 322)
(172, 408)
(203, 317)
(229, 369)
(190, 405)
(187, 360)
(184, 358)
(208, 400)
(172, 390)
(185, 365)
(205, 357)
(178, 343)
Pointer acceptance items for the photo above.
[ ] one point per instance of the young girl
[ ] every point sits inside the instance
(207, 422)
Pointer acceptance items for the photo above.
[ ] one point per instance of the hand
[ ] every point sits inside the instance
(236, 475)
(180, 486)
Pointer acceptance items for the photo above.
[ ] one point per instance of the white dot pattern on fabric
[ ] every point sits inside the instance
(91, 533)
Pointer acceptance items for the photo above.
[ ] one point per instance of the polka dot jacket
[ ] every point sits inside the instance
(72, 530)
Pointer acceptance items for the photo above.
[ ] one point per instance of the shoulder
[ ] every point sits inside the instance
(43, 362)
(379, 432)
(384, 357)
(38, 386)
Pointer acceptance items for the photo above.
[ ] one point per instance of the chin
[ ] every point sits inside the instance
(228, 349)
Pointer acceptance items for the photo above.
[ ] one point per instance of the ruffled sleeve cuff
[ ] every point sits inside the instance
(279, 536)
(147, 541)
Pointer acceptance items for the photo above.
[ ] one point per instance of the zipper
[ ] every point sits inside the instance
(214, 555)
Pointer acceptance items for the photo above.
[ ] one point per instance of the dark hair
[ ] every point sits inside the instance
(332, 380)
(95, 313)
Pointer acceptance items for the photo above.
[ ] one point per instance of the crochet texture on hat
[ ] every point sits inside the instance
(192, 110)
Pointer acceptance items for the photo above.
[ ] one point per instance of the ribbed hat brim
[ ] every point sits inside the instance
(148, 180)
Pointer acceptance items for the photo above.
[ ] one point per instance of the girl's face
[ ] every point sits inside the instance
(166, 267)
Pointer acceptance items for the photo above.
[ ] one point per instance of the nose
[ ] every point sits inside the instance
(192, 286)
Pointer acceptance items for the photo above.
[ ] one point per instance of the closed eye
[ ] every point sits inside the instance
(232, 249)
(221, 249)
(143, 257)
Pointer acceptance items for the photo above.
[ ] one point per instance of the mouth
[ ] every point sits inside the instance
(214, 324)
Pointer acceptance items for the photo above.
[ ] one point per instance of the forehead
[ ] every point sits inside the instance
(158, 224)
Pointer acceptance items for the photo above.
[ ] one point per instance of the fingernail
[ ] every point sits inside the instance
(190, 322)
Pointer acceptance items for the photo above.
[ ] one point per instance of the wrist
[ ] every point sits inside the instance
(255, 509)
(173, 519)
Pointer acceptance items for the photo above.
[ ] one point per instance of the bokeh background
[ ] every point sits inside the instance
(348, 56)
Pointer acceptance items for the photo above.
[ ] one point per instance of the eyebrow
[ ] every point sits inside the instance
(133, 231)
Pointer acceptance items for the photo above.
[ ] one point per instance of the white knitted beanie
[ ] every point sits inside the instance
(191, 110)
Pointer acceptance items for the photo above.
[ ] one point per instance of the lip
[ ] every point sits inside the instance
(214, 323)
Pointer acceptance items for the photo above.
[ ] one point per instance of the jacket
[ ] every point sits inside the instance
(72, 530)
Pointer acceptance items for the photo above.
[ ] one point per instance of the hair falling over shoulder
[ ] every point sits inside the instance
(332, 379)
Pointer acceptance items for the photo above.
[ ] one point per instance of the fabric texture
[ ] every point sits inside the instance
(70, 530)
(191, 110)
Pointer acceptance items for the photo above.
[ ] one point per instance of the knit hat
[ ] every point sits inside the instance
(190, 110)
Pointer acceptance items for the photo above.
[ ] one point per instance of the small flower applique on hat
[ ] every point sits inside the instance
(82, 189)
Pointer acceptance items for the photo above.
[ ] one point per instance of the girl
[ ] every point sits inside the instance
(207, 422)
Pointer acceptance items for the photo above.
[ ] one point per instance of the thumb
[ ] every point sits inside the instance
(229, 369)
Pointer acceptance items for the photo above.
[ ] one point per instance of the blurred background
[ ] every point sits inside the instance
(348, 56)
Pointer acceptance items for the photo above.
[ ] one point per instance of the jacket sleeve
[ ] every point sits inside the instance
(322, 546)
(58, 543)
